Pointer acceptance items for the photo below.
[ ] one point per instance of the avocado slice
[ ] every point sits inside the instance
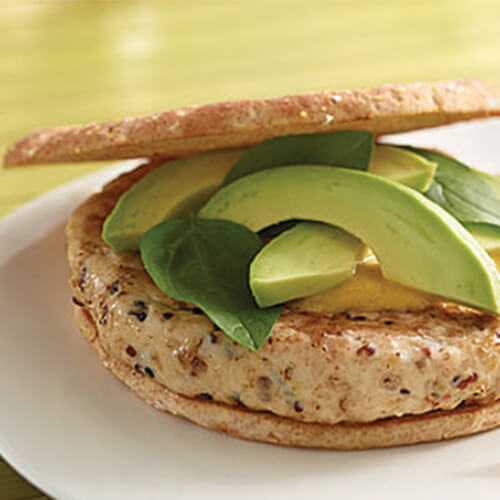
(314, 257)
(416, 242)
(402, 166)
(307, 259)
(172, 191)
(488, 235)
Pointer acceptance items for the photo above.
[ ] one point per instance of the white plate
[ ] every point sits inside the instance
(75, 431)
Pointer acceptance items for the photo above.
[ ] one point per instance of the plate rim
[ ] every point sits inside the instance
(89, 182)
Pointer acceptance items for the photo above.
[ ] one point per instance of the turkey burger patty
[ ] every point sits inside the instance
(315, 367)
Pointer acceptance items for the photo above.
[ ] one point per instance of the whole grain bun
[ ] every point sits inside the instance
(269, 428)
(383, 110)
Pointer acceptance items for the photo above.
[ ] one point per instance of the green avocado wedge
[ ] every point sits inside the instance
(402, 166)
(171, 191)
(416, 242)
(487, 235)
(307, 259)
(313, 257)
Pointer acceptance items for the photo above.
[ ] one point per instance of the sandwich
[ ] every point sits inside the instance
(279, 271)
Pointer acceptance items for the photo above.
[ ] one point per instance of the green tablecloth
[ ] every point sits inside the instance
(64, 62)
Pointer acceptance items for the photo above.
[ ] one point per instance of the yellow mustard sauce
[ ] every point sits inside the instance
(367, 291)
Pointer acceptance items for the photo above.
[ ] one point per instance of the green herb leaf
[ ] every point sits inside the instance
(463, 191)
(345, 148)
(487, 235)
(206, 262)
(492, 180)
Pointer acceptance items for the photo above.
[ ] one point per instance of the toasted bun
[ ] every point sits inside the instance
(269, 428)
(384, 110)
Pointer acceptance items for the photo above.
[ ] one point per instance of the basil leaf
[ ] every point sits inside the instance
(206, 262)
(487, 235)
(492, 180)
(463, 191)
(345, 148)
